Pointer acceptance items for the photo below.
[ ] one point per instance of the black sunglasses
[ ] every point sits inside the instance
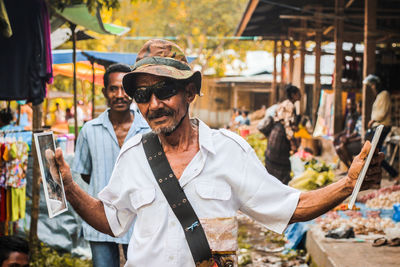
(162, 90)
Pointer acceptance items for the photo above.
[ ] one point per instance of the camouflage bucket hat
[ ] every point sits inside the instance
(161, 58)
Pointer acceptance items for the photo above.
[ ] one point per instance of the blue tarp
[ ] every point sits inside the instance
(65, 56)
(126, 58)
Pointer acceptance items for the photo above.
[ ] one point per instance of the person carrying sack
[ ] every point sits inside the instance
(184, 183)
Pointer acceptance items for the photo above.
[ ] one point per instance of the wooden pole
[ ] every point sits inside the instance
(354, 83)
(317, 75)
(274, 94)
(73, 26)
(36, 126)
(93, 88)
(19, 114)
(291, 61)
(235, 96)
(282, 82)
(302, 68)
(46, 110)
(369, 60)
(337, 85)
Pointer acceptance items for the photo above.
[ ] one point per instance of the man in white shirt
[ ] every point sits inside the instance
(59, 114)
(217, 170)
(80, 114)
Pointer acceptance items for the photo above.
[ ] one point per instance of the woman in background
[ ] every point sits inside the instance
(281, 141)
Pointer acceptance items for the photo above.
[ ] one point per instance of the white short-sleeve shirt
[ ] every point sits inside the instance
(225, 176)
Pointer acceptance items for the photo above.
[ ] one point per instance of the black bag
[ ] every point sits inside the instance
(265, 125)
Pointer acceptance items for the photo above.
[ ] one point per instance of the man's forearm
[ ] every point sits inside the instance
(89, 208)
(315, 203)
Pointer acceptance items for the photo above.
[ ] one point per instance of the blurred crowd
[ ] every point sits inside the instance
(240, 117)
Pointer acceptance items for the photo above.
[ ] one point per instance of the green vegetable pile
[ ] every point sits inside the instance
(259, 143)
(47, 256)
(318, 166)
(316, 175)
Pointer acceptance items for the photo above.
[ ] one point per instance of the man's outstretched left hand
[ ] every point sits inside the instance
(373, 177)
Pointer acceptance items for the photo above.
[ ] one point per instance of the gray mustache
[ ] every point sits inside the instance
(159, 113)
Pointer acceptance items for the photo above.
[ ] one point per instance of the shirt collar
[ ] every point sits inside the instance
(205, 137)
(139, 121)
(104, 120)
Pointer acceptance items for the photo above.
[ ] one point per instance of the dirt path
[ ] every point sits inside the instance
(260, 247)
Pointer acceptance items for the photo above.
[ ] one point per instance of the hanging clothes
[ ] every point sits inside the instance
(3, 204)
(5, 27)
(47, 42)
(23, 67)
(18, 132)
(18, 200)
(13, 167)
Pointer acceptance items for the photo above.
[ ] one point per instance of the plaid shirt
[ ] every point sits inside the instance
(96, 151)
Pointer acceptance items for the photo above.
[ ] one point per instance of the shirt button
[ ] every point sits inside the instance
(171, 258)
(172, 223)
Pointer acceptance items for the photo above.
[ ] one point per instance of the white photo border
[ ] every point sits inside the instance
(37, 137)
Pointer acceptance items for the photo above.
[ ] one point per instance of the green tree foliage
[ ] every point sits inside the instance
(201, 28)
(92, 4)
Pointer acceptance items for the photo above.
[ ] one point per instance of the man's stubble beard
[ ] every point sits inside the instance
(165, 130)
(168, 130)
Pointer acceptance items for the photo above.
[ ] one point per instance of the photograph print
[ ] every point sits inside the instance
(51, 176)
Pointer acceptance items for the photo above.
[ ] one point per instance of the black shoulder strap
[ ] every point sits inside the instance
(176, 198)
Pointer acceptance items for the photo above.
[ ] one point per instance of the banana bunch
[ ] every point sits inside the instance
(259, 143)
(311, 179)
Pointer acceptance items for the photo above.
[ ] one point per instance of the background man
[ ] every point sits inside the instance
(348, 142)
(14, 252)
(59, 114)
(97, 148)
(380, 114)
(217, 169)
(80, 114)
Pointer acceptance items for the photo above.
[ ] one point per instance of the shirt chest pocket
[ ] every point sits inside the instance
(149, 212)
(213, 189)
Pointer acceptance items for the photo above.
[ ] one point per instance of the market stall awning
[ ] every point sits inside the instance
(106, 58)
(65, 56)
(84, 71)
(102, 58)
(262, 18)
(80, 15)
(58, 94)
(273, 19)
(62, 35)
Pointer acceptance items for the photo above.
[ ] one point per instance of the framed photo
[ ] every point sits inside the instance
(51, 176)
